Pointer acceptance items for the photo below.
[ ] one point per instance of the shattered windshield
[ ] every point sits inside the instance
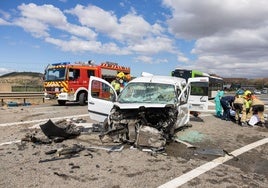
(55, 74)
(148, 93)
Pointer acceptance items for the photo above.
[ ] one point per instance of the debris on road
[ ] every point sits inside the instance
(108, 148)
(185, 143)
(61, 129)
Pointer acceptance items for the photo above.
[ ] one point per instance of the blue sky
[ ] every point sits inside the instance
(228, 38)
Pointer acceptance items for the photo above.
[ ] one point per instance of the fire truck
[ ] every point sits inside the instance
(67, 81)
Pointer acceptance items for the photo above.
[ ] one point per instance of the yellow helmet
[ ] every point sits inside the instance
(247, 93)
(120, 75)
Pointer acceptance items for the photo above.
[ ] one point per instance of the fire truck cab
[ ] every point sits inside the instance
(69, 82)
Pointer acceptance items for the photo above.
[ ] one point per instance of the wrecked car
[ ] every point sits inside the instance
(146, 113)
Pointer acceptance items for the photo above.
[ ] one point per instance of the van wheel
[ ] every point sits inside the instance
(82, 99)
(61, 102)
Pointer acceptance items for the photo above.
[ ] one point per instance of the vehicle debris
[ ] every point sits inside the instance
(107, 148)
(67, 152)
(34, 139)
(62, 129)
(185, 143)
(58, 158)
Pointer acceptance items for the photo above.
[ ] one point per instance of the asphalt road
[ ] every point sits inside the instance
(223, 155)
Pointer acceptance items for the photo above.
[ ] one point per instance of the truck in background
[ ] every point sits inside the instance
(69, 81)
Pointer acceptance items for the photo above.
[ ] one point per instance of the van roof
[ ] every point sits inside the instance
(160, 79)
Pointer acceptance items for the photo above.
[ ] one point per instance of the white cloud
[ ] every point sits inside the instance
(128, 34)
(182, 58)
(130, 28)
(78, 45)
(35, 27)
(38, 20)
(5, 71)
(4, 22)
(95, 17)
(230, 36)
(144, 59)
(153, 46)
(5, 14)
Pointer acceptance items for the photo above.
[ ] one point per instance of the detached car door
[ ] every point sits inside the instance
(198, 99)
(183, 107)
(101, 96)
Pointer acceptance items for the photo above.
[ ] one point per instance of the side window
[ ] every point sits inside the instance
(199, 88)
(90, 73)
(74, 74)
(101, 90)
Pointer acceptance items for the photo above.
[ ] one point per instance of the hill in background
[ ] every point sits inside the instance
(22, 78)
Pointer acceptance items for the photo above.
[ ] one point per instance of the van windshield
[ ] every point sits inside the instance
(148, 93)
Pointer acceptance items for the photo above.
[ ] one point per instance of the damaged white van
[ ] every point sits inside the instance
(147, 111)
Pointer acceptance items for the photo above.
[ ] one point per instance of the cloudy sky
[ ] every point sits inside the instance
(228, 38)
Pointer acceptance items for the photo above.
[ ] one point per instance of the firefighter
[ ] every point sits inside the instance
(238, 105)
(116, 83)
(127, 78)
(246, 111)
(257, 108)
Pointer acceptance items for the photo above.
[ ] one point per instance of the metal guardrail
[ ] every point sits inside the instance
(21, 95)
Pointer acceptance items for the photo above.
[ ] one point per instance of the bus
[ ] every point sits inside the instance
(214, 85)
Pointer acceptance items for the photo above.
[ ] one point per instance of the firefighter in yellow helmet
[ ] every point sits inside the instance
(246, 111)
(120, 75)
(117, 83)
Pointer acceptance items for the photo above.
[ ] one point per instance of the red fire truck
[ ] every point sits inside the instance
(69, 81)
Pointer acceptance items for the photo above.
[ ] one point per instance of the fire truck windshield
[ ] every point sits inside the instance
(56, 74)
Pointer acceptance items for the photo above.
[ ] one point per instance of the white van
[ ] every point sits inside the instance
(148, 108)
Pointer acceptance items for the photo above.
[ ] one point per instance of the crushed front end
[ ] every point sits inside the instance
(144, 127)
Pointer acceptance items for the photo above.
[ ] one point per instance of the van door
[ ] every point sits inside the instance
(198, 98)
(101, 96)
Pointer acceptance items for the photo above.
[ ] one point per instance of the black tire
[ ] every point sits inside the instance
(61, 102)
(82, 99)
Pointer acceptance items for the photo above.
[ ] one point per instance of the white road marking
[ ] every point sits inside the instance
(11, 142)
(41, 120)
(210, 165)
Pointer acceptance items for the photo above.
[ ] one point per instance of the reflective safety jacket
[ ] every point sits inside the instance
(239, 100)
(256, 101)
(116, 85)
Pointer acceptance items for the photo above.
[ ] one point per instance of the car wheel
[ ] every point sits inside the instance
(82, 99)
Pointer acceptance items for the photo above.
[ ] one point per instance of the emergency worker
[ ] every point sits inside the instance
(218, 107)
(257, 107)
(122, 80)
(227, 105)
(238, 105)
(116, 83)
(246, 111)
(127, 78)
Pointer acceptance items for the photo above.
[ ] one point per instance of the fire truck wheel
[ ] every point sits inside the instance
(82, 99)
(61, 102)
